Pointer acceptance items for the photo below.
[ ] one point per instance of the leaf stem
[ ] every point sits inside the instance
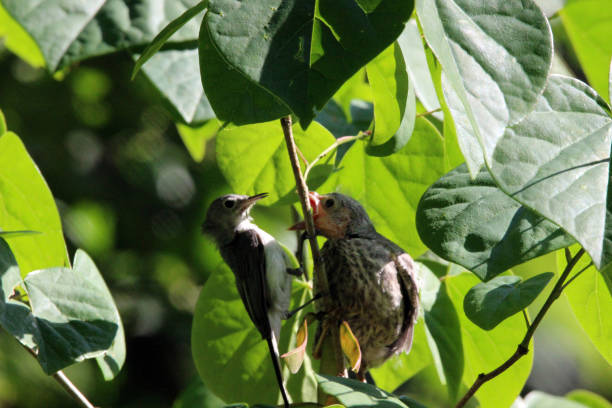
(340, 141)
(65, 382)
(428, 112)
(523, 347)
(527, 323)
(319, 274)
(577, 274)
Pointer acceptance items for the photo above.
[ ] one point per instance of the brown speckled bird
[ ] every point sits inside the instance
(371, 280)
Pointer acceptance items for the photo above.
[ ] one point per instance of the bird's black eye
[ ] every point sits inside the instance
(329, 203)
(229, 203)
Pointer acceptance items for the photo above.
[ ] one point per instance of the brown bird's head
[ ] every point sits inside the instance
(338, 216)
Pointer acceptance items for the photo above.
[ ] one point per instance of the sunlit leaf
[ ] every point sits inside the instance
(353, 393)
(588, 399)
(495, 64)
(538, 399)
(254, 158)
(195, 138)
(556, 162)
(590, 297)
(587, 24)
(27, 204)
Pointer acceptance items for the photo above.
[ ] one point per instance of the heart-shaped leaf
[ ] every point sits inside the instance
(557, 162)
(495, 63)
(72, 315)
(291, 48)
(473, 223)
(489, 303)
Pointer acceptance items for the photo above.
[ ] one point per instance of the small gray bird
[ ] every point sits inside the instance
(372, 282)
(261, 266)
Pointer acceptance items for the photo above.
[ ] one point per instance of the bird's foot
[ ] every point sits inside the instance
(290, 314)
(295, 271)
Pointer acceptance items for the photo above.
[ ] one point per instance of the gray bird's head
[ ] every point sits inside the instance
(226, 213)
(338, 216)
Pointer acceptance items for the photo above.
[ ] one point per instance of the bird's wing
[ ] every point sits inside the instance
(406, 271)
(249, 266)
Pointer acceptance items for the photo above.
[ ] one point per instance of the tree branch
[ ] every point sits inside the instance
(66, 384)
(523, 347)
(319, 274)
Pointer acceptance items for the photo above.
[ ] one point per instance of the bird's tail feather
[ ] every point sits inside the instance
(272, 344)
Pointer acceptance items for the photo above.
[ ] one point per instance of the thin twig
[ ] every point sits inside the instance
(527, 323)
(577, 274)
(428, 112)
(523, 347)
(299, 152)
(65, 382)
(339, 141)
(319, 274)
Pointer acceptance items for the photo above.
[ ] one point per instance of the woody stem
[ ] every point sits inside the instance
(319, 274)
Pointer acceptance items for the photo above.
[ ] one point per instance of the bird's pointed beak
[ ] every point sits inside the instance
(313, 197)
(249, 202)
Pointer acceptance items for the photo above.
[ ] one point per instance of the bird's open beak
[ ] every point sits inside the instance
(313, 197)
(249, 202)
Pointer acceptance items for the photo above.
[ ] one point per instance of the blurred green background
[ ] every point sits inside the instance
(130, 194)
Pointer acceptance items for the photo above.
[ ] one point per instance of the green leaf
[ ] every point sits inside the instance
(495, 64)
(394, 100)
(355, 394)
(443, 330)
(556, 162)
(238, 100)
(68, 31)
(489, 303)
(197, 395)
(18, 40)
(195, 139)
(587, 24)
(112, 360)
(538, 399)
(474, 224)
(176, 75)
(165, 34)
(254, 158)
(588, 399)
(27, 204)
(590, 297)
(399, 179)
(416, 64)
(486, 350)
(3, 128)
(15, 316)
(72, 316)
(223, 339)
(15, 234)
(291, 48)
(400, 368)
